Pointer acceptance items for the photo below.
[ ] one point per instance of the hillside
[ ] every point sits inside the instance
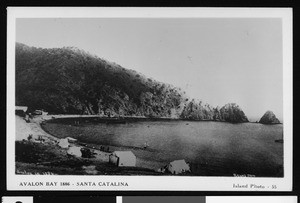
(71, 81)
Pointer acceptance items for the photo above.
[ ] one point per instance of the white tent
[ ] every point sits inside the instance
(122, 158)
(74, 151)
(63, 143)
(178, 166)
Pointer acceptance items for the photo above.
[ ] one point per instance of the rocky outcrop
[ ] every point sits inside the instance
(269, 118)
(230, 112)
(233, 113)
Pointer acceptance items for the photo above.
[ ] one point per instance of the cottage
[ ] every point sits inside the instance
(122, 158)
(178, 166)
(40, 112)
(87, 153)
(71, 139)
(21, 110)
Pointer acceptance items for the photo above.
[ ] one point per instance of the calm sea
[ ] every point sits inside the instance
(211, 148)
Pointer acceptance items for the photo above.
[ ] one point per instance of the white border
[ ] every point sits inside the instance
(251, 199)
(119, 199)
(152, 183)
(13, 199)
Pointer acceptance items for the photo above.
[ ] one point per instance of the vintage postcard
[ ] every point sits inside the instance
(139, 99)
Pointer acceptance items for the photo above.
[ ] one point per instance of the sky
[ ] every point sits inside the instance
(215, 60)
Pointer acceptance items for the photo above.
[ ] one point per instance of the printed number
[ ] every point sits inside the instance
(65, 184)
(274, 187)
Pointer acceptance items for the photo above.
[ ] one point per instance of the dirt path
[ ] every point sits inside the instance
(24, 129)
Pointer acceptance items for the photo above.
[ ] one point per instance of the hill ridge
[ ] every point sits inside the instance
(69, 80)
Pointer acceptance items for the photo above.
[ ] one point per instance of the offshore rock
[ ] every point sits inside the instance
(269, 118)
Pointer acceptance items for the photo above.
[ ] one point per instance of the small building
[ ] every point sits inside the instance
(71, 139)
(40, 112)
(21, 110)
(87, 153)
(122, 158)
(178, 166)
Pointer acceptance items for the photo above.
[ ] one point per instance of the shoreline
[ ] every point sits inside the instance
(46, 140)
(143, 166)
(128, 119)
(137, 118)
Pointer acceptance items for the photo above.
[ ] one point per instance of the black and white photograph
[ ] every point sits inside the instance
(175, 97)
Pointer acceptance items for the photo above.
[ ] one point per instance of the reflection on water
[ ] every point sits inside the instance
(212, 148)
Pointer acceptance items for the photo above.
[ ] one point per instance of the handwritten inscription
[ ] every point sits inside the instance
(243, 175)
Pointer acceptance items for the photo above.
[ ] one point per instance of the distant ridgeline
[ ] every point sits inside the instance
(71, 81)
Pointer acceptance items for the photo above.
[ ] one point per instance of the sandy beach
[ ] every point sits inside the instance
(23, 129)
(38, 152)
